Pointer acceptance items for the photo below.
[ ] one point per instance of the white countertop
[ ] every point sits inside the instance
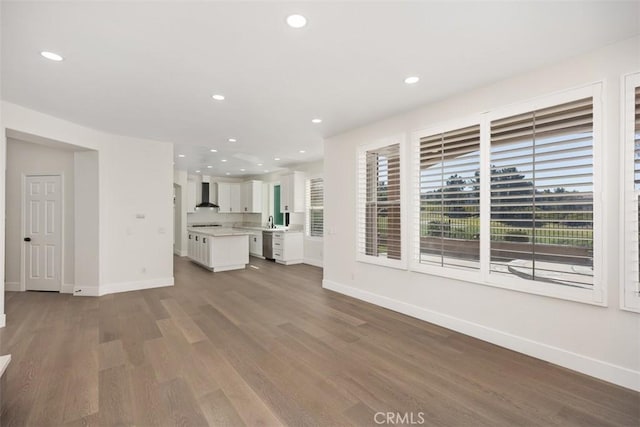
(218, 231)
(233, 231)
(270, 230)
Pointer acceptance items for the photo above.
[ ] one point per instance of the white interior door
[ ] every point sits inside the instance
(43, 233)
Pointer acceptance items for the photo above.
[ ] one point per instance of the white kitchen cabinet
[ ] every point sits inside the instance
(192, 196)
(255, 244)
(288, 247)
(229, 197)
(292, 192)
(219, 252)
(251, 197)
(198, 248)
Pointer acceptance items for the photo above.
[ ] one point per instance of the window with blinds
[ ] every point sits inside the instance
(636, 176)
(315, 207)
(379, 205)
(631, 199)
(541, 195)
(449, 188)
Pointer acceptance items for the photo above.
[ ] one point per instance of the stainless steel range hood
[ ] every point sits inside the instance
(205, 203)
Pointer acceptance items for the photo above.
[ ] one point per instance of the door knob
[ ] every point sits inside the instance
(27, 239)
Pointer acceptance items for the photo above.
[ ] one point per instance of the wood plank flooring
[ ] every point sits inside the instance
(268, 346)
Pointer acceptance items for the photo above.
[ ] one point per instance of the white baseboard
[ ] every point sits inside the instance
(596, 368)
(15, 287)
(12, 286)
(314, 262)
(3, 320)
(86, 291)
(179, 253)
(114, 288)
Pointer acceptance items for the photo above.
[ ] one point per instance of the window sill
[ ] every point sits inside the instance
(382, 262)
(514, 283)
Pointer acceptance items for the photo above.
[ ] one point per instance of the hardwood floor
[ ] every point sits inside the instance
(269, 346)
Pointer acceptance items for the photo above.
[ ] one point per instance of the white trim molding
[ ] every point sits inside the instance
(3, 320)
(12, 286)
(114, 288)
(180, 253)
(313, 262)
(86, 291)
(596, 368)
(67, 288)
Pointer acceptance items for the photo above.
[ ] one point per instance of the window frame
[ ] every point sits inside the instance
(597, 294)
(629, 285)
(360, 222)
(308, 208)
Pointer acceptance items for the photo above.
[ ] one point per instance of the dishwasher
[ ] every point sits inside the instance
(267, 245)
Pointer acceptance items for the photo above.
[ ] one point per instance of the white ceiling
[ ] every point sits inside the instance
(148, 69)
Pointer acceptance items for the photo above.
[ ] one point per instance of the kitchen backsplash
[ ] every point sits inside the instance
(212, 216)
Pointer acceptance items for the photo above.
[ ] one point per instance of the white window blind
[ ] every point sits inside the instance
(449, 188)
(379, 207)
(541, 225)
(631, 199)
(315, 207)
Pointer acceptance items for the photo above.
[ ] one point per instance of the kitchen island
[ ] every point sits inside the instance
(219, 249)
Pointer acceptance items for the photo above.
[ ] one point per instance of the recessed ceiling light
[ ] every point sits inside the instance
(242, 170)
(228, 173)
(316, 121)
(259, 164)
(52, 56)
(197, 171)
(223, 160)
(213, 150)
(411, 80)
(232, 140)
(180, 155)
(276, 158)
(218, 97)
(302, 151)
(296, 21)
(266, 170)
(209, 167)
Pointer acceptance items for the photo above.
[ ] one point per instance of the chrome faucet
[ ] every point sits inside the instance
(270, 222)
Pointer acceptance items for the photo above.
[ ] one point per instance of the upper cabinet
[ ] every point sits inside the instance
(251, 197)
(292, 192)
(229, 197)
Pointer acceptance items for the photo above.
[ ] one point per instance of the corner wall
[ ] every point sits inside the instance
(135, 221)
(599, 341)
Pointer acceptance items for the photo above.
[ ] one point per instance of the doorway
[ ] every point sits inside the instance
(278, 217)
(42, 218)
(52, 219)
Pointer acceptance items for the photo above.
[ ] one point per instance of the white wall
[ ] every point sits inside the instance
(135, 200)
(87, 214)
(600, 341)
(24, 158)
